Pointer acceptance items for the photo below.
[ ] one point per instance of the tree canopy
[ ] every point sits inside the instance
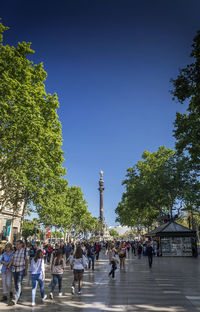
(66, 210)
(158, 187)
(186, 89)
(30, 152)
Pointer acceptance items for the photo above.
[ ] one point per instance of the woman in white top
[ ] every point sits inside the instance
(79, 261)
(38, 275)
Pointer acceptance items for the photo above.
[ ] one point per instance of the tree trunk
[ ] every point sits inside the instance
(65, 233)
(22, 218)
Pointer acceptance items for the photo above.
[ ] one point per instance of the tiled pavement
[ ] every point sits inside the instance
(172, 285)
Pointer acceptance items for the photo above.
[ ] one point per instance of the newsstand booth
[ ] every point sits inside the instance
(174, 240)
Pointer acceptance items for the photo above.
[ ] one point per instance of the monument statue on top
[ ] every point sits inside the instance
(101, 189)
(105, 231)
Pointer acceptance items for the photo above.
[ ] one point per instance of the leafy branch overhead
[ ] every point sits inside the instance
(158, 186)
(31, 137)
(186, 88)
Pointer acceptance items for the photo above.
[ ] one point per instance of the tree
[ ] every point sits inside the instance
(30, 228)
(159, 186)
(186, 88)
(30, 151)
(114, 233)
(66, 210)
(57, 234)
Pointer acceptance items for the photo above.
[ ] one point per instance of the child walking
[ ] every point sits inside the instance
(57, 269)
(38, 275)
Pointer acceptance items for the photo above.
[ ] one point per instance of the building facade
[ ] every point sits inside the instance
(10, 224)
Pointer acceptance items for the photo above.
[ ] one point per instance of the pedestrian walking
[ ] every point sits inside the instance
(139, 251)
(37, 270)
(91, 255)
(122, 254)
(19, 263)
(112, 260)
(97, 251)
(49, 252)
(149, 253)
(32, 252)
(83, 248)
(57, 269)
(68, 251)
(7, 273)
(128, 247)
(79, 262)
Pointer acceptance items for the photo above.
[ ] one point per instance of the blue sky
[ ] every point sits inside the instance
(110, 62)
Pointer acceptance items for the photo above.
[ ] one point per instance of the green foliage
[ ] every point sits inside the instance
(155, 187)
(66, 210)
(30, 228)
(30, 132)
(114, 233)
(56, 234)
(186, 88)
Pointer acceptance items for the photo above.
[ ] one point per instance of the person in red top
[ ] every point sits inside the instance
(97, 250)
(49, 252)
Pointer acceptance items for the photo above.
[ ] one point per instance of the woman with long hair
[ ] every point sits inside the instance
(57, 269)
(37, 270)
(122, 254)
(78, 262)
(112, 260)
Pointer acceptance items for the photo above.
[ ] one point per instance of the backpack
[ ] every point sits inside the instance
(32, 252)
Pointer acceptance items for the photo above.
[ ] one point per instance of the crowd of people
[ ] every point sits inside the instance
(21, 260)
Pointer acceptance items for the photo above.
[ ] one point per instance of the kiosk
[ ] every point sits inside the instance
(174, 239)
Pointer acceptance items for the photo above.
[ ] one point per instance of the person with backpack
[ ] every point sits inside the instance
(19, 263)
(37, 270)
(57, 269)
(7, 273)
(79, 262)
(32, 252)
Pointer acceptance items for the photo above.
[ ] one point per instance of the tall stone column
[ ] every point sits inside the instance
(101, 189)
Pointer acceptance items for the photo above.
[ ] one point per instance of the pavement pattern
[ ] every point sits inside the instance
(171, 285)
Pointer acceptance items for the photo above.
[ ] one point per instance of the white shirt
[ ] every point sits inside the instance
(79, 263)
(37, 267)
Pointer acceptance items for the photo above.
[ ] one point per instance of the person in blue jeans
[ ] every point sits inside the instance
(37, 270)
(57, 269)
(19, 264)
(91, 255)
(7, 273)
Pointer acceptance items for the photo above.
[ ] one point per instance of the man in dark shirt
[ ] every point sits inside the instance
(149, 253)
(91, 255)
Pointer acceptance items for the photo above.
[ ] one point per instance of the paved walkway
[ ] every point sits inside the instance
(172, 285)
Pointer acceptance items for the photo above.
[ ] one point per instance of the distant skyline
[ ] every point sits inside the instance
(110, 62)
